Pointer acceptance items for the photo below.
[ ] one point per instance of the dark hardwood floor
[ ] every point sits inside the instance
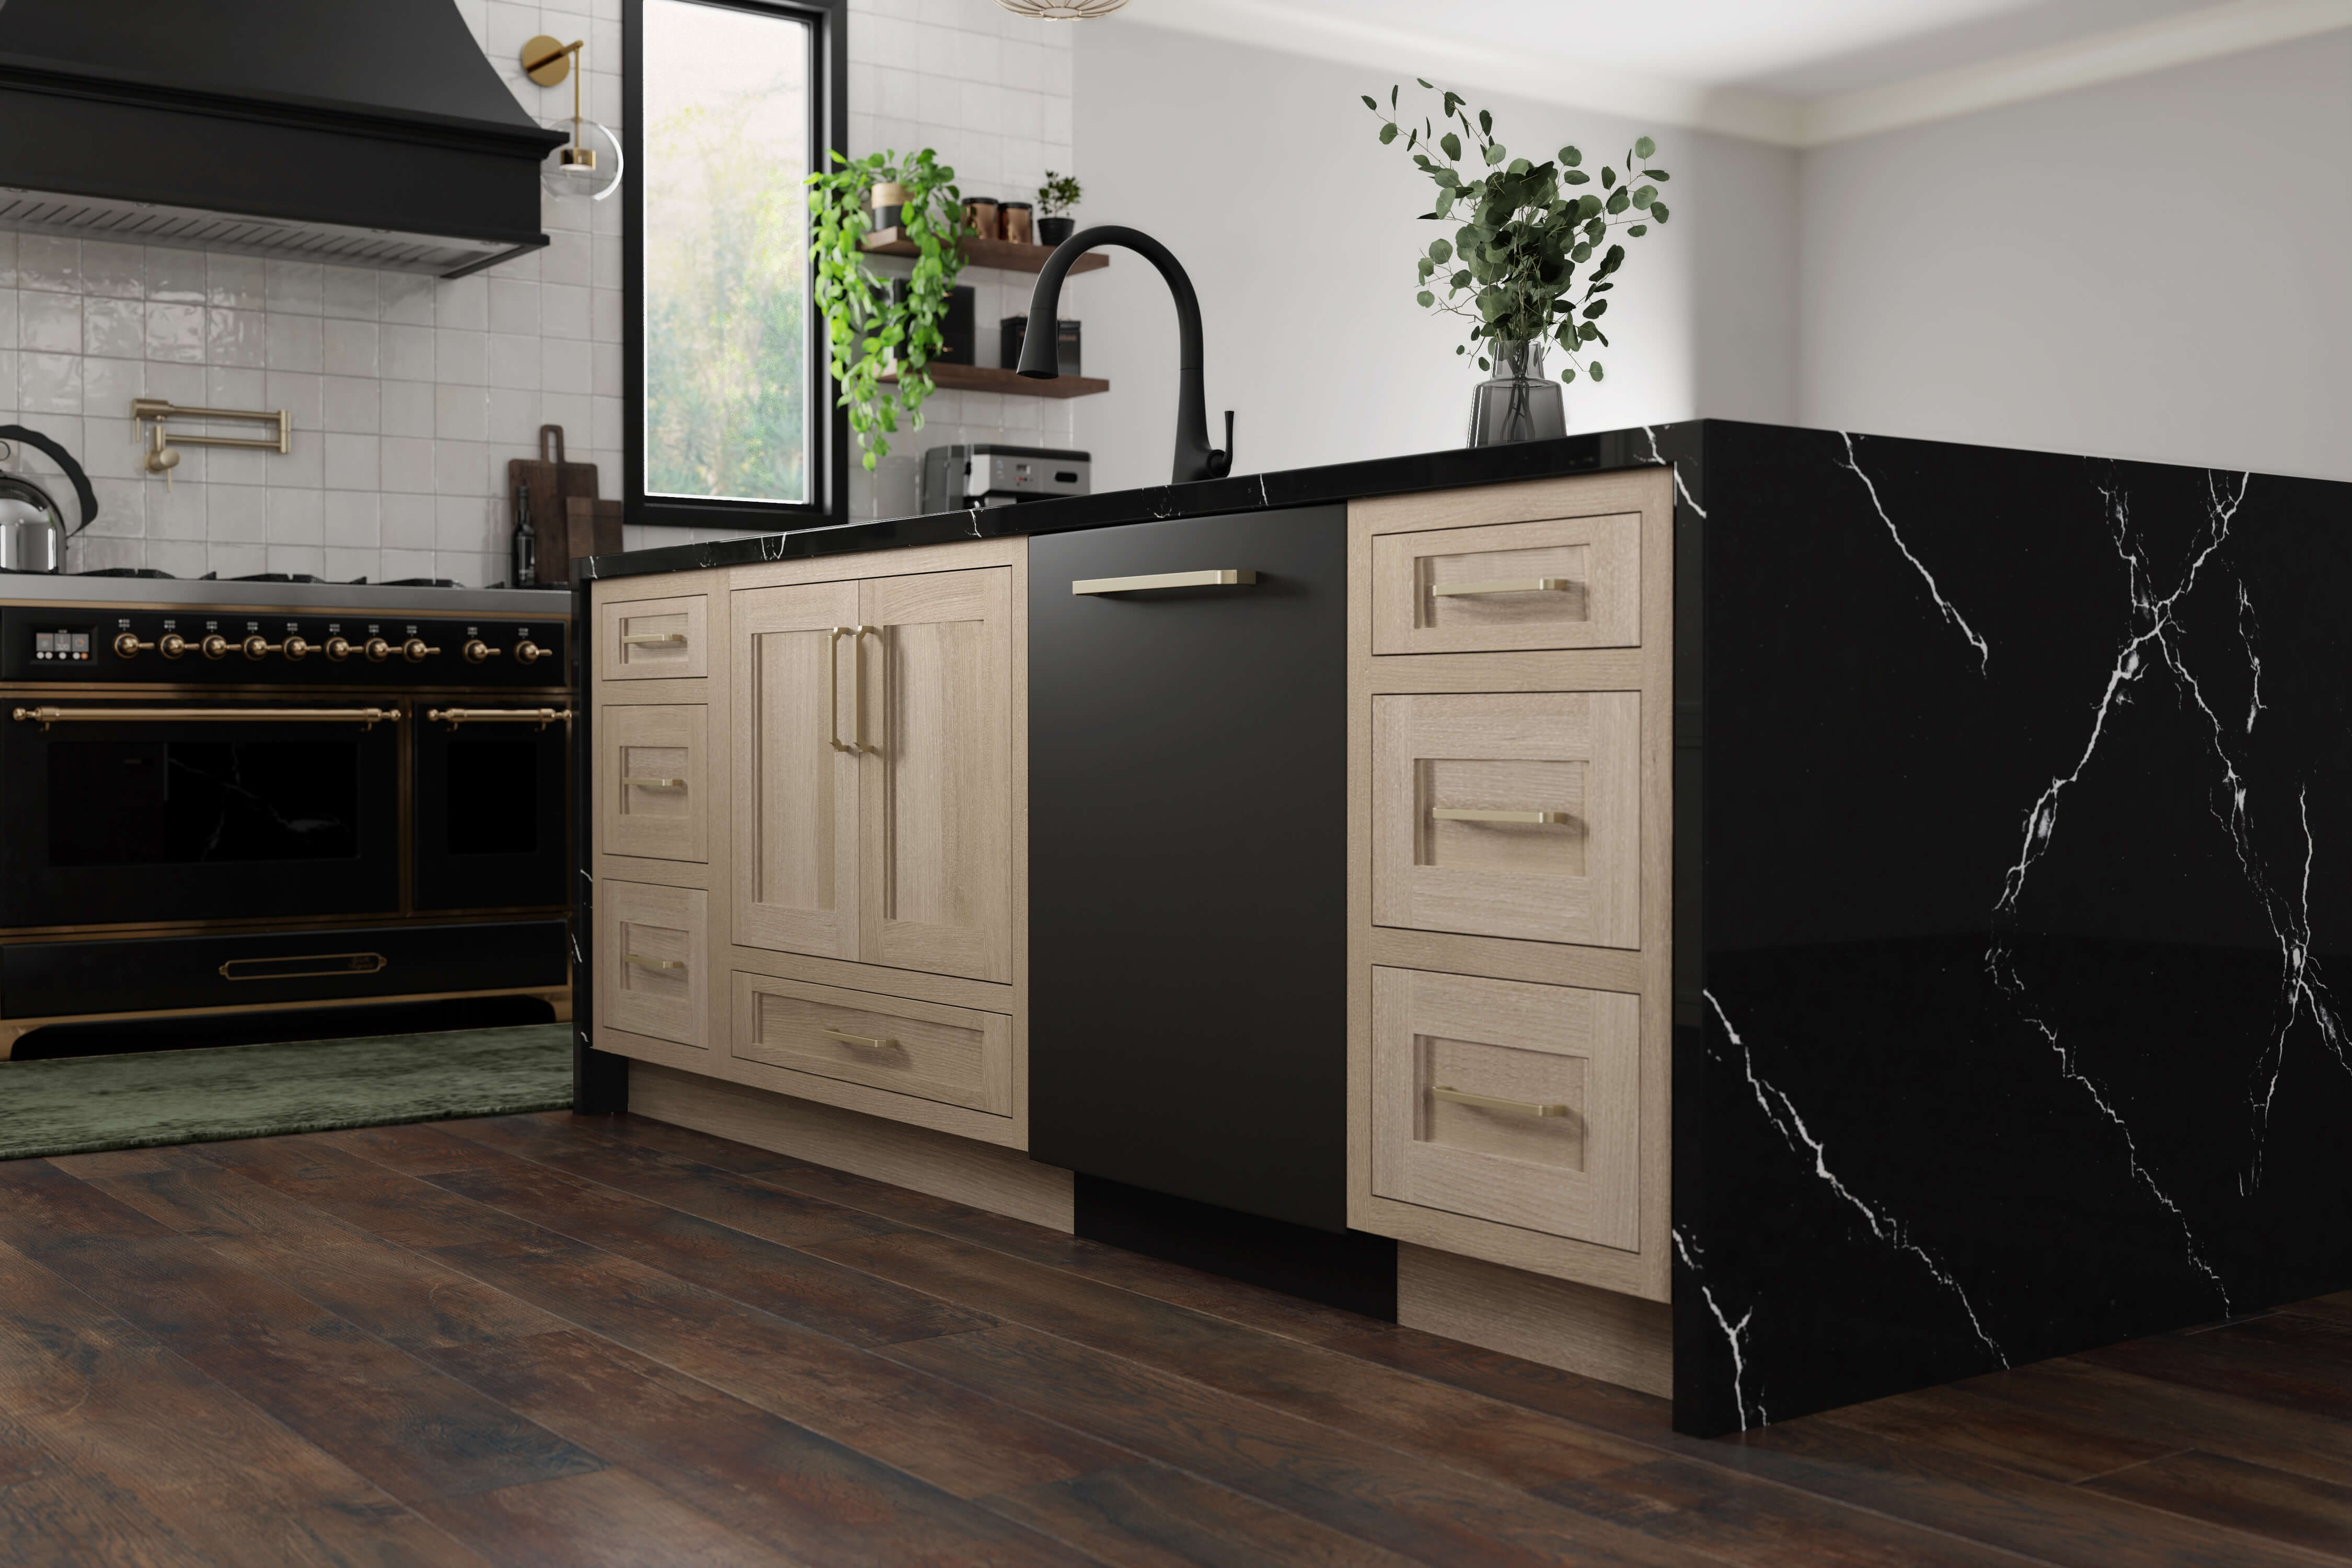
(559, 1340)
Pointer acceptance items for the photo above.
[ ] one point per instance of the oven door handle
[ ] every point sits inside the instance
(367, 718)
(542, 717)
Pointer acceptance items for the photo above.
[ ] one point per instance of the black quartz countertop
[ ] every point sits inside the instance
(1640, 446)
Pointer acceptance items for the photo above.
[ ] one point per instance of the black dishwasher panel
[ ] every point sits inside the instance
(1186, 810)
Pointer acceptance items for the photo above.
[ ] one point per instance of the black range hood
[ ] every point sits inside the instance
(365, 133)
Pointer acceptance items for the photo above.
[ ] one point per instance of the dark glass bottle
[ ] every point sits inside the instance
(524, 568)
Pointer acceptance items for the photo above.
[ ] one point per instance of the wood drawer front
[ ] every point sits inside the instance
(653, 951)
(1574, 756)
(651, 789)
(652, 640)
(1563, 583)
(1573, 1170)
(955, 1056)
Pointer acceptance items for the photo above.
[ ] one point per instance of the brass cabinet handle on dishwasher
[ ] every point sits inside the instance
(1504, 586)
(1228, 577)
(642, 961)
(655, 639)
(868, 1041)
(655, 784)
(1489, 1102)
(542, 717)
(45, 717)
(1456, 814)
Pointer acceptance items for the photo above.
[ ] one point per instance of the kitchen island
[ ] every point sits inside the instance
(1771, 915)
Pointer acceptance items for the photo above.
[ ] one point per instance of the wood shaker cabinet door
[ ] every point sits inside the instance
(651, 791)
(936, 823)
(1509, 1102)
(1510, 814)
(1565, 583)
(952, 1055)
(795, 798)
(653, 948)
(652, 640)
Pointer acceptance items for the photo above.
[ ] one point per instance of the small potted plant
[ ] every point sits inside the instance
(1055, 197)
(876, 332)
(1523, 231)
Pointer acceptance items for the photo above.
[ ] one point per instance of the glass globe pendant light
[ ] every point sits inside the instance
(590, 164)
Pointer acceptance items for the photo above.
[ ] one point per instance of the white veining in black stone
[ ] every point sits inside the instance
(1951, 614)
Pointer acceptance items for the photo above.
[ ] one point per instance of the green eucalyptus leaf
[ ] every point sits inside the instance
(1452, 101)
(1603, 337)
(1593, 370)
(1570, 156)
(1581, 254)
(1425, 82)
(1595, 308)
(1426, 298)
(1493, 153)
(1608, 176)
(1482, 364)
(1576, 177)
(1427, 267)
(1452, 145)
(1618, 199)
(1658, 211)
(1440, 252)
(1485, 123)
(1393, 92)
(1371, 104)
(1639, 229)
(1588, 331)
(1569, 374)
(1657, 174)
(1643, 147)
(1646, 195)
(1388, 133)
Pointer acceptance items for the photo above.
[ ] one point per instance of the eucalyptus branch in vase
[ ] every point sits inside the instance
(1523, 232)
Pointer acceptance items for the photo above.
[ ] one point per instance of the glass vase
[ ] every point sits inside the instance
(1518, 403)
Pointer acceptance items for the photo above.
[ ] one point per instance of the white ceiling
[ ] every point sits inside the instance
(1795, 71)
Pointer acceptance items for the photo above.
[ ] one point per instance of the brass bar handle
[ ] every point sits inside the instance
(655, 639)
(1454, 813)
(857, 679)
(335, 963)
(1228, 577)
(833, 687)
(655, 784)
(642, 961)
(1489, 1102)
(542, 717)
(366, 716)
(1506, 585)
(868, 1041)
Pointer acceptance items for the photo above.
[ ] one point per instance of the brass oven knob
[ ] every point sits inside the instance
(214, 647)
(297, 648)
(127, 646)
(338, 650)
(528, 652)
(378, 650)
(171, 645)
(260, 648)
(415, 651)
(476, 650)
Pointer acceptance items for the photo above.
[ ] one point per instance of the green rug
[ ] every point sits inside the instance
(82, 1104)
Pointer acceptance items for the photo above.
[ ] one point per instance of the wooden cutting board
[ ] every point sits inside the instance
(552, 483)
(592, 528)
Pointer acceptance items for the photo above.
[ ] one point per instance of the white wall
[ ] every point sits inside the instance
(408, 394)
(2156, 268)
(1262, 172)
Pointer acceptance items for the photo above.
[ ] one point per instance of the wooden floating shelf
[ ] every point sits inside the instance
(989, 378)
(977, 252)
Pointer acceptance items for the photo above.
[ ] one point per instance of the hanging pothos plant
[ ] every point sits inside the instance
(1524, 230)
(873, 329)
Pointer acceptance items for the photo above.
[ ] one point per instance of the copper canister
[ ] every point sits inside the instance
(980, 216)
(1014, 215)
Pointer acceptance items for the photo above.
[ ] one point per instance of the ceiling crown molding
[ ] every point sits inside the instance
(1758, 116)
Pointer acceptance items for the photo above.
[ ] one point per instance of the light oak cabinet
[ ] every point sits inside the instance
(1559, 583)
(653, 798)
(874, 770)
(653, 961)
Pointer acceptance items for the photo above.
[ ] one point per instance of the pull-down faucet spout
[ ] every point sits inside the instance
(1195, 458)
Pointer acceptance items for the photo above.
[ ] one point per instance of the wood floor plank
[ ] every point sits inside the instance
(2077, 1392)
(1609, 1407)
(2294, 1363)
(704, 1148)
(413, 1431)
(794, 1284)
(1976, 1499)
(143, 1458)
(1148, 1516)
(954, 1439)
(2335, 1309)
(609, 1519)
(1352, 1484)
(1742, 1519)
(2251, 1497)
(1442, 1424)
(1967, 1423)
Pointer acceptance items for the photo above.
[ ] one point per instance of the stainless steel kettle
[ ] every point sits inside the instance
(33, 529)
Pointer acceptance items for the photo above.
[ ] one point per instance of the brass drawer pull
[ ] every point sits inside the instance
(1227, 578)
(313, 966)
(657, 784)
(369, 716)
(655, 639)
(868, 1041)
(1504, 586)
(642, 961)
(542, 717)
(1452, 813)
(1488, 1103)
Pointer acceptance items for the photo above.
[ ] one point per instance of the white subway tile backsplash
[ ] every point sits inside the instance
(407, 464)
(514, 305)
(295, 516)
(563, 311)
(293, 288)
(564, 364)
(349, 347)
(352, 404)
(233, 282)
(407, 523)
(514, 361)
(352, 462)
(237, 514)
(404, 353)
(299, 393)
(47, 263)
(50, 323)
(175, 332)
(461, 356)
(352, 518)
(115, 328)
(461, 413)
(404, 297)
(293, 343)
(48, 384)
(463, 303)
(348, 292)
(107, 385)
(408, 409)
(235, 337)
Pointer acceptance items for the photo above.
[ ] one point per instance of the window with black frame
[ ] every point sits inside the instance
(730, 105)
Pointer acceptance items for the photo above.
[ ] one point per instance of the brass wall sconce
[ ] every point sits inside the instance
(576, 169)
(161, 456)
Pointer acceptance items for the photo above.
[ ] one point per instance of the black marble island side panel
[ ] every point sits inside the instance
(2027, 873)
